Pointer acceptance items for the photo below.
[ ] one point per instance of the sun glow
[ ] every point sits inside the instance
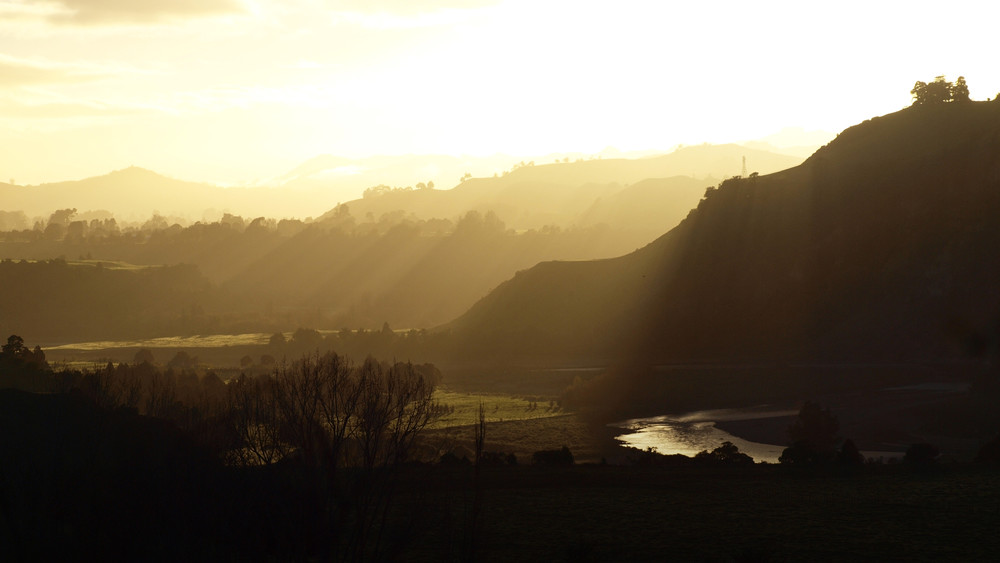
(230, 92)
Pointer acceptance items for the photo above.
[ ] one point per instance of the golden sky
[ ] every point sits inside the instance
(231, 91)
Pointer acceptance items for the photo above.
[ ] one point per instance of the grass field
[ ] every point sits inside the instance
(109, 264)
(498, 408)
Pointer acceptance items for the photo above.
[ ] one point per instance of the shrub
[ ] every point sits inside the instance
(921, 454)
(553, 457)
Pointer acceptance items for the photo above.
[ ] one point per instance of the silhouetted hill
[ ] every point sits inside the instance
(56, 300)
(655, 204)
(881, 245)
(120, 191)
(353, 269)
(409, 275)
(348, 177)
(136, 193)
(532, 196)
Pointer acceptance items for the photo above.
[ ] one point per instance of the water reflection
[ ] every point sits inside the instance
(694, 432)
(690, 433)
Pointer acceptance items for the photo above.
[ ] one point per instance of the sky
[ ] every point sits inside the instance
(237, 91)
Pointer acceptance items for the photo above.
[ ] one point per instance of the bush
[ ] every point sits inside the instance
(921, 454)
(990, 452)
(553, 457)
(849, 454)
(498, 458)
(727, 453)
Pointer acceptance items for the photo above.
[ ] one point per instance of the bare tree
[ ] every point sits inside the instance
(349, 427)
(254, 417)
(475, 514)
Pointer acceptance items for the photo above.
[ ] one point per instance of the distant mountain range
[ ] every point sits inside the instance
(410, 257)
(323, 182)
(136, 193)
(641, 194)
(882, 246)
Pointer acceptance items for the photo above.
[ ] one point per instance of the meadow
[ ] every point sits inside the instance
(463, 407)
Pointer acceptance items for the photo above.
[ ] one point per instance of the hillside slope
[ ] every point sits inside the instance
(881, 245)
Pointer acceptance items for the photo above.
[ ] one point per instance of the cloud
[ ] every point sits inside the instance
(16, 72)
(62, 110)
(98, 12)
(402, 14)
(406, 7)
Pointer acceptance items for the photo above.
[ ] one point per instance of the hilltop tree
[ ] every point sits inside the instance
(940, 91)
(960, 92)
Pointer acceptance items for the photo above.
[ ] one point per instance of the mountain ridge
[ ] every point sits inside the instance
(828, 259)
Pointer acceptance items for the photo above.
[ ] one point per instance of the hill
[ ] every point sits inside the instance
(353, 269)
(136, 193)
(323, 182)
(879, 246)
(566, 193)
(58, 300)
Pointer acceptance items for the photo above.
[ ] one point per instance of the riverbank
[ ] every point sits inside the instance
(887, 420)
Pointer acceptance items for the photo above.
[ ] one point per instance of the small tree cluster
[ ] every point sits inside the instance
(727, 453)
(15, 354)
(553, 457)
(813, 436)
(330, 412)
(339, 428)
(940, 91)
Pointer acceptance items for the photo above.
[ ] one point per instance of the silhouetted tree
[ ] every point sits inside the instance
(322, 414)
(921, 454)
(143, 355)
(277, 340)
(990, 452)
(183, 360)
(726, 453)
(553, 457)
(61, 216)
(960, 92)
(18, 359)
(939, 91)
(14, 348)
(471, 543)
(849, 453)
(813, 436)
(307, 339)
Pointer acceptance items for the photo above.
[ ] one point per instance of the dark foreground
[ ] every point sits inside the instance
(76, 482)
(594, 513)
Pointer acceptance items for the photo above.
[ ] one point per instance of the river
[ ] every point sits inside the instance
(693, 432)
(690, 433)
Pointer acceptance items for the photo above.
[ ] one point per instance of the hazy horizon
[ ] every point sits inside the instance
(792, 141)
(235, 92)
